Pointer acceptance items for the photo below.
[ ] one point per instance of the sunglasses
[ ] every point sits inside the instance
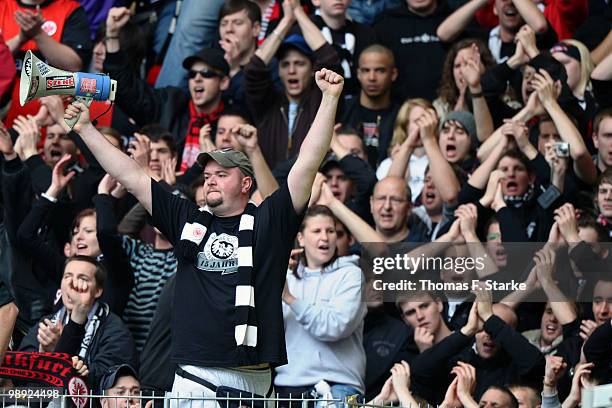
(206, 73)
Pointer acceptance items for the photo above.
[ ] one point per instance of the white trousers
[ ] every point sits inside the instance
(189, 394)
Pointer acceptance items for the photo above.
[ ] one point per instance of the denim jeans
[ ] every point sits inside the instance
(197, 27)
(365, 11)
(342, 392)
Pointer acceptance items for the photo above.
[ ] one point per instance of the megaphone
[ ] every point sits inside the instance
(39, 79)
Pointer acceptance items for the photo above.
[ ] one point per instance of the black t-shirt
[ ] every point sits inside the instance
(348, 41)
(203, 313)
(419, 53)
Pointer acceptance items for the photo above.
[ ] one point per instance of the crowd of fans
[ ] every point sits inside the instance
(460, 121)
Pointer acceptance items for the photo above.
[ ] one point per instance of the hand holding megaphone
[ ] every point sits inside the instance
(39, 79)
(77, 114)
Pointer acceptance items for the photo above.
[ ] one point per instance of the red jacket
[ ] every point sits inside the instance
(55, 14)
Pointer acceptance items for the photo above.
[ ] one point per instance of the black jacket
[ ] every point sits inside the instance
(270, 107)
(111, 345)
(120, 278)
(516, 359)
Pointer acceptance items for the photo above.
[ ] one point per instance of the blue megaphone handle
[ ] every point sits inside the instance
(95, 86)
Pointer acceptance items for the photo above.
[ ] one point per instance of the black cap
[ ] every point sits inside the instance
(111, 376)
(329, 162)
(214, 57)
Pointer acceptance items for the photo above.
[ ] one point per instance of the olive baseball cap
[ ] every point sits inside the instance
(228, 158)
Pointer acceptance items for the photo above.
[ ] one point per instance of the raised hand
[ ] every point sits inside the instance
(579, 381)
(427, 123)
(117, 17)
(387, 394)
(326, 197)
(519, 58)
(30, 23)
(48, 335)
(75, 109)
(80, 366)
(329, 82)
(107, 184)
(77, 293)
(54, 105)
(587, 327)
(206, 144)
(230, 46)
(288, 13)
(451, 400)
(29, 135)
(317, 185)
(471, 68)
(546, 88)
(517, 130)
(294, 257)
(59, 179)
(139, 149)
(498, 200)
(246, 135)
(485, 304)
(168, 171)
(544, 261)
(494, 181)
(6, 143)
(466, 381)
(474, 323)
(423, 338)
(468, 216)
(565, 218)
(526, 37)
(533, 105)
(555, 367)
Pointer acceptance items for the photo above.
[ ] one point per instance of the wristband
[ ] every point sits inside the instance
(48, 197)
(476, 94)
(108, 37)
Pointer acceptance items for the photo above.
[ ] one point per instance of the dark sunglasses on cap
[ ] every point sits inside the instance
(206, 73)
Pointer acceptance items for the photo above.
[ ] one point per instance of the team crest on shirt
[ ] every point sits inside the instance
(219, 254)
(49, 27)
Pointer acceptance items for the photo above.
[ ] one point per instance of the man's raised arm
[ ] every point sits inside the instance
(317, 141)
(117, 164)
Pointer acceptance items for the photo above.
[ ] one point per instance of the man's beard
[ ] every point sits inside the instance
(214, 202)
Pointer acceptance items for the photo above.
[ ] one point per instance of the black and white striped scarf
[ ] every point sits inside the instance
(96, 315)
(192, 235)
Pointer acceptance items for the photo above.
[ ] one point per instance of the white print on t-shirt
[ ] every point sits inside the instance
(423, 38)
(219, 255)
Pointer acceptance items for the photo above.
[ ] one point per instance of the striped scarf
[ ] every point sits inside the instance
(192, 235)
(96, 315)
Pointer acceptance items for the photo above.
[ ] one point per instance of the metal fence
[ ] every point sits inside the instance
(25, 399)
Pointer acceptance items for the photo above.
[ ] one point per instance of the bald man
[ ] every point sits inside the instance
(390, 205)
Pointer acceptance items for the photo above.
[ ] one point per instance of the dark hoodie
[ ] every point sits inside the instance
(419, 53)
(516, 359)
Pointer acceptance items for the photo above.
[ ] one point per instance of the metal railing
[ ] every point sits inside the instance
(17, 398)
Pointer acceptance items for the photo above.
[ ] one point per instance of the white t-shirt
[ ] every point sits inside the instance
(417, 168)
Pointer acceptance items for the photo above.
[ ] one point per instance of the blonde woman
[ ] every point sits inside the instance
(578, 64)
(405, 121)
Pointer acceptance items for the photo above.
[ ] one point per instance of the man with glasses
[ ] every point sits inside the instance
(390, 205)
(181, 113)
